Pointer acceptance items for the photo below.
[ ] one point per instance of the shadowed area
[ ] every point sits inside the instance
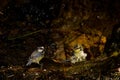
(58, 26)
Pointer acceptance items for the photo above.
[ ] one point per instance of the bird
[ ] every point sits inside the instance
(78, 54)
(36, 56)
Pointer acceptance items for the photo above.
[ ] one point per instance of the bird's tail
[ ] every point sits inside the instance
(29, 63)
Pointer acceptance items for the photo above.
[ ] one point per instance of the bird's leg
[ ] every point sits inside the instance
(41, 66)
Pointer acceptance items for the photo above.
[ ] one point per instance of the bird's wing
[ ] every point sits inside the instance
(36, 54)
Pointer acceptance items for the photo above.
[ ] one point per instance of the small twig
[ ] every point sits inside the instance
(24, 35)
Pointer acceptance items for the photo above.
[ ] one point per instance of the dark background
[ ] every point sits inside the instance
(27, 24)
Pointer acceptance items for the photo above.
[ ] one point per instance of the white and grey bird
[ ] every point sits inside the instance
(79, 54)
(36, 56)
